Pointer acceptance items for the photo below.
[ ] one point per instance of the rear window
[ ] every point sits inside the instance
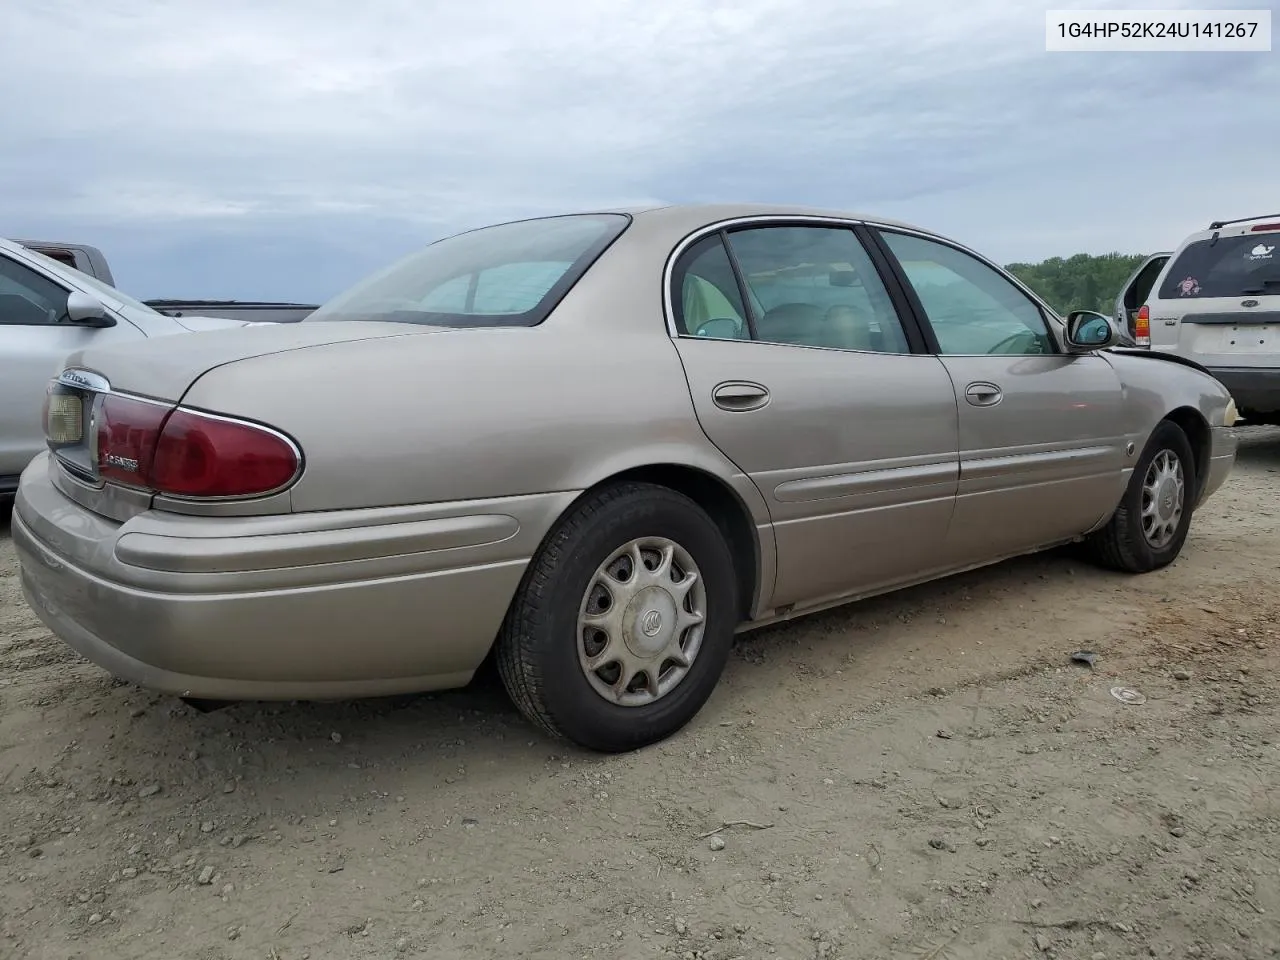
(64, 257)
(1244, 266)
(512, 274)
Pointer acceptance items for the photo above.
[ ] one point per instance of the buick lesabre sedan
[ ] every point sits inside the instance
(595, 446)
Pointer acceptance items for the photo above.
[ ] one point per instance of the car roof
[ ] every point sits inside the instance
(699, 213)
(1234, 229)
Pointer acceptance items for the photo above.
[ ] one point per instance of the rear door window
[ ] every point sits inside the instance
(816, 286)
(1243, 266)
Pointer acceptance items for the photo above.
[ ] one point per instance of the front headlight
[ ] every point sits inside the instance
(1232, 416)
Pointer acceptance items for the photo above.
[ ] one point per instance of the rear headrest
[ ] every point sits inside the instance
(791, 322)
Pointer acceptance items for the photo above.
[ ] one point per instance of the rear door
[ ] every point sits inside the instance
(35, 336)
(1219, 302)
(1041, 442)
(803, 373)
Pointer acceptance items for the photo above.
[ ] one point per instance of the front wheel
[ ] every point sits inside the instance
(1150, 526)
(624, 620)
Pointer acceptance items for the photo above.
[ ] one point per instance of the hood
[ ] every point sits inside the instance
(1128, 350)
(203, 324)
(164, 367)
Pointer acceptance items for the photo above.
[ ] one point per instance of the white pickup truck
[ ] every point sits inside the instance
(49, 309)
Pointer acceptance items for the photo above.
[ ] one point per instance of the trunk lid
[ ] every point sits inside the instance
(164, 367)
(160, 370)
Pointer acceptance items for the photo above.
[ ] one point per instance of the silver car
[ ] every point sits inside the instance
(595, 445)
(48, 310)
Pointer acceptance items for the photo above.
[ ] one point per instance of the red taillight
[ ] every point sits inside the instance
(1265, 226)
(203, 456)
(128, 430)
(185, 453)
(1142, 327)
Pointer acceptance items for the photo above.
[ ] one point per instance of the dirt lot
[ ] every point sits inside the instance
(923, 775)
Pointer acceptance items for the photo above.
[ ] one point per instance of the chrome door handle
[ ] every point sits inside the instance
(983, 394)
(740, 395)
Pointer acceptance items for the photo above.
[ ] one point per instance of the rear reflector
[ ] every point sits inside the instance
(1142, 327)
(185, 453)
(1265, 226)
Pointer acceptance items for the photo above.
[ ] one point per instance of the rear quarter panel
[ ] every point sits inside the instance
(468, 415)
(596, 389)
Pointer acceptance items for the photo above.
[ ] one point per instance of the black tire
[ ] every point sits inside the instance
(537, 648)
(1122, 544)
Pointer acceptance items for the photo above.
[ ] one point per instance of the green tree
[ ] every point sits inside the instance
(1080, 282)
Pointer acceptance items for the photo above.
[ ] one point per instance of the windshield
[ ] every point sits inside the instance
(512, 274)
(1241, 266)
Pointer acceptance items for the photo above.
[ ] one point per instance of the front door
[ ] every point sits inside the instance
(803, 373)
(1042, 448)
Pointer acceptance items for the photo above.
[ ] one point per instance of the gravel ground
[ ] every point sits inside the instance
(922, 775)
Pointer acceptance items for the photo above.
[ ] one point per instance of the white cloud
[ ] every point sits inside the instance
(298, 119)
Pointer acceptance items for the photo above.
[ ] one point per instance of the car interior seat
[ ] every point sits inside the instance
(798, 323)
(849, 329)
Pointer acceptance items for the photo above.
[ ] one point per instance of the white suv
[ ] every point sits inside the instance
(1217, 302)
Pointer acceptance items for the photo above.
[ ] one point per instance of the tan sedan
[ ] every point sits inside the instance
(596, 445)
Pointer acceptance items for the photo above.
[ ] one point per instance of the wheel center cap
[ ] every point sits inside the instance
(1167, 500)
(650, 622)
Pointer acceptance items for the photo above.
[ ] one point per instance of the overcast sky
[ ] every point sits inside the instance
(283, 149)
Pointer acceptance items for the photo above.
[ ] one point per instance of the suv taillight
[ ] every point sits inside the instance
(1142, 327)
(186, 453)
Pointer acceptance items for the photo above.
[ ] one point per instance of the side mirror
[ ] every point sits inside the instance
(85, 310)
(1088, 330)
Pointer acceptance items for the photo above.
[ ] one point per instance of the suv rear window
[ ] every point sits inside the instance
(508, 275)
(1241, 266)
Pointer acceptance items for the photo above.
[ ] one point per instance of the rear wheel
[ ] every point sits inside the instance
(624, 620)
(1150, 526)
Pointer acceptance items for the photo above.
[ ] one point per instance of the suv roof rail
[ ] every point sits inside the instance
(1219, 224)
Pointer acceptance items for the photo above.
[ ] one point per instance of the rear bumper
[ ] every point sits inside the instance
(304, 606)
(1252, 388)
